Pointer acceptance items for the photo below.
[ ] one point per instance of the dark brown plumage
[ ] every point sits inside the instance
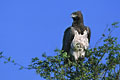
(77, 25)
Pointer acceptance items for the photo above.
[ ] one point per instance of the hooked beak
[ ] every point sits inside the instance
(73, 15)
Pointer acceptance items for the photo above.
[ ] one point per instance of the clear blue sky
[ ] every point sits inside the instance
(30, 27)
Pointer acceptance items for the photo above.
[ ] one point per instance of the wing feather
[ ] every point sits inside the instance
(67, 39)
(89, 33)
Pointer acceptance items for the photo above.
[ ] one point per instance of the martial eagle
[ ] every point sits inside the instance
(77, 37)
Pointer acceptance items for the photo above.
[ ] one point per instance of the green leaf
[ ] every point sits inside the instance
(5, 62)
(9, 58)
(40, 61)
(44, 55)
(103, 35)
(56, 50)
(13, 61)
(65, 54)
(21, 67)
(35, 59)
(108, 29)
(1, 53)
(116, 26)
(115, 23)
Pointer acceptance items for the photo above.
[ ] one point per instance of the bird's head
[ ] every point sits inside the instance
(77, 16)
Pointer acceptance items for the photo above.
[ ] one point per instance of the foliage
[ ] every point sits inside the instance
(100, 63)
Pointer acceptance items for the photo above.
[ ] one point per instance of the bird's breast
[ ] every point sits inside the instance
(79, 44)
(80, 41)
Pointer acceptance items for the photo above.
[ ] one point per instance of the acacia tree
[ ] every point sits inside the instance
(101, 62)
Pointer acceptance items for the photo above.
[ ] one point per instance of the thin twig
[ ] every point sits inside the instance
(21, 66)
(99, 40)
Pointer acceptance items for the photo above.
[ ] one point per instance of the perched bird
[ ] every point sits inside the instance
(76, 37)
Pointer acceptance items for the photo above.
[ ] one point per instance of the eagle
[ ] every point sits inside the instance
(76, 38)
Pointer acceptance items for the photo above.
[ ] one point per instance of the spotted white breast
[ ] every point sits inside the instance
(79, 44)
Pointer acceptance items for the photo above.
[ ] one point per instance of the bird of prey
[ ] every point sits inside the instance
(76, 37)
